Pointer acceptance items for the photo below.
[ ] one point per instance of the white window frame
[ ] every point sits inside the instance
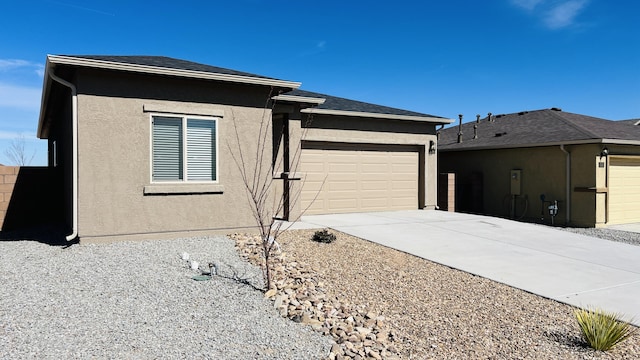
(184, 118)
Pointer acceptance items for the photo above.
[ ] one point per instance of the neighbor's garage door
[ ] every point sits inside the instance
(347, 180)
(624, 190)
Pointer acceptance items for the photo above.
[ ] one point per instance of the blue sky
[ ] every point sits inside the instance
(437, 57)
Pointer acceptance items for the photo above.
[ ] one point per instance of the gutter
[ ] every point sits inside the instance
(300, 99)
(435, 120)
(568, 190)
(452, 145)
(74, 146)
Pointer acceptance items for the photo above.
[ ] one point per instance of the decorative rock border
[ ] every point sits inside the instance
(300, 296)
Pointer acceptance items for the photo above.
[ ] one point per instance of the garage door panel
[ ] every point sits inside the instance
(374, 169)
(403, 168)
(624, 190)
(402, 202)
(312, 187)
(403, 184)
(342, 158)
(345, 167)
(347, 204)
(341, 195)
(373, 194)
(343, 185)
(315, 167)
(359, 180)
(317, 205)
(375, 204)
(374, 185)
(344, 177)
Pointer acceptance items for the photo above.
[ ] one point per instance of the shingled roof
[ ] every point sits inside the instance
(342, 104)
(630, 121)
(166, 62)
(166, 66)
(538, 128)
(162, 65)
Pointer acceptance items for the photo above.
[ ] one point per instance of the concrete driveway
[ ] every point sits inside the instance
(571, 268)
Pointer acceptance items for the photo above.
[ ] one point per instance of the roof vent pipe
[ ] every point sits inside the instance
(475, 127)
(460, 129)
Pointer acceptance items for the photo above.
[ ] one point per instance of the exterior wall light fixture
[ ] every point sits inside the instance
(432, 147)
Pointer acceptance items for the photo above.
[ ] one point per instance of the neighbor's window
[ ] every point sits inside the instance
(184, 148)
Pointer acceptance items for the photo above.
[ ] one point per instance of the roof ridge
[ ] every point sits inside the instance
(577, 126)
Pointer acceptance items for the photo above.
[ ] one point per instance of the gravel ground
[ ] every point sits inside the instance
(437, 312)
(628, 237)
(138, 301)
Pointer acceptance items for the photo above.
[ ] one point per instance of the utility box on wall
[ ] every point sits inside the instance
(516, 182)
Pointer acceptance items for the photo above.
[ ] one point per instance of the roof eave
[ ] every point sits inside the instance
(299, 99)
(620, 142)
(46, 84)
(434, 120)
(443, 148)
(111, 65)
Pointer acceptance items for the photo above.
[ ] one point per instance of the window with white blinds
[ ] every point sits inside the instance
(176, 152)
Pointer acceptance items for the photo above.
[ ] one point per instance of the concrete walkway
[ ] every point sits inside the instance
(571, 268)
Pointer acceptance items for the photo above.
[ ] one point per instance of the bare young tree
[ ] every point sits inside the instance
(257, 172)
(17, 152)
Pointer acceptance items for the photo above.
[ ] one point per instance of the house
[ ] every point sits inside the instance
(518, 165)
(144, 147)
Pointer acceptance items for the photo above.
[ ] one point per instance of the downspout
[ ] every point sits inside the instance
(74, 131)
(568, 190)
(286, 211)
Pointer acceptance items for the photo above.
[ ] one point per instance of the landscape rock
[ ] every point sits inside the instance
(404, 305)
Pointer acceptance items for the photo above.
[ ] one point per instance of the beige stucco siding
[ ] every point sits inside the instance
(584, 184)
(543, 172)
(115, 165)
(598, 191)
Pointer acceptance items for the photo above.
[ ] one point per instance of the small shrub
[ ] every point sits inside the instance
(324, 236)
(601, 329)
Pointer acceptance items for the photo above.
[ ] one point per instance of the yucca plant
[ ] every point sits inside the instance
(602, 329)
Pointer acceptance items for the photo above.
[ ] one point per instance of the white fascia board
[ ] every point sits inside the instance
(434, 120)
(518, 146)
(46, 83)
(620, 142)
(111, 65)
(300, 99)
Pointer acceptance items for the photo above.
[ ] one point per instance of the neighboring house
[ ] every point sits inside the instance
(144, 146)
(504, 163)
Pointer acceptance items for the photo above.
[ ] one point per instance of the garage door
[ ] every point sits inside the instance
(624, 190)
(342, 181)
